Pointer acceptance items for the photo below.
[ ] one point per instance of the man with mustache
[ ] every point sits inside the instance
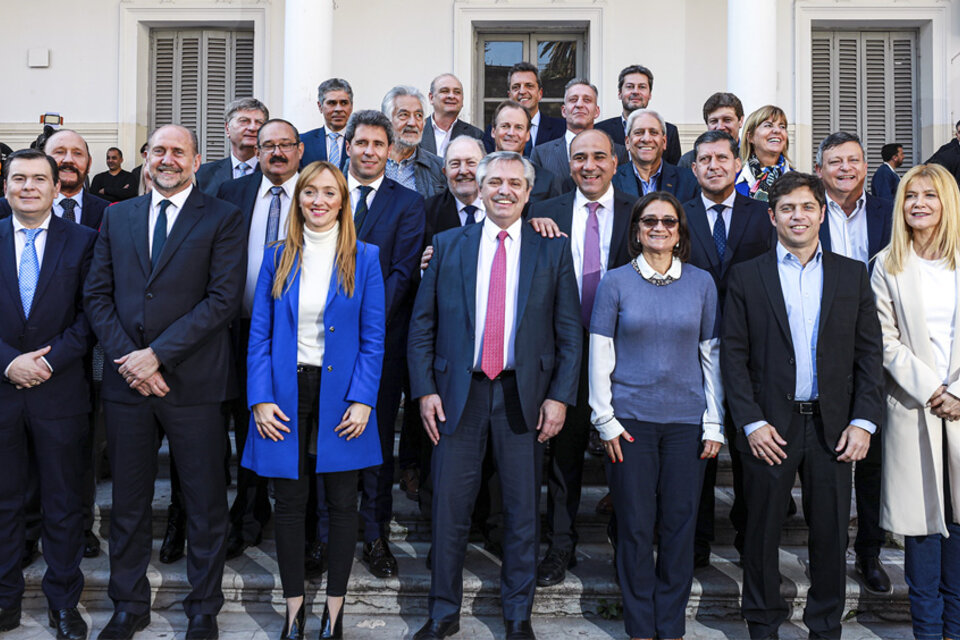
(409, 164)
(335, 101)
(446, 96)
(648, 170)
(244, 118)
(114, 184)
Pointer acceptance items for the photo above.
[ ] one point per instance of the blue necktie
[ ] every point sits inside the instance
(273, 219)
(334, 156)
(720, 231)
(159, 233)
(361, 211)
(29, 270)
(471, 212)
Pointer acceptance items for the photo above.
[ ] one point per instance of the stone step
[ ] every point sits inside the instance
(590, 588)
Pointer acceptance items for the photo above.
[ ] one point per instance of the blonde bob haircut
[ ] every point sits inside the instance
(947, 238)
(289, 261)
(754, 120)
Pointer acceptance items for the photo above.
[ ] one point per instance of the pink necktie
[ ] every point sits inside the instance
(491, 361)
(590, 279)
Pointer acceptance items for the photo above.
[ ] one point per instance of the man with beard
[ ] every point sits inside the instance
(335, 100)
(244, 118)
(114, 184)
(412, 166)
(446, 96)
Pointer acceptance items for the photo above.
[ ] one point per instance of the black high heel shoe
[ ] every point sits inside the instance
(328, 629)
(294, 631)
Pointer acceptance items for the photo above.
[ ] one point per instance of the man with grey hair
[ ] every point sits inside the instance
(647, 171)
(508, 383)
(409, 164)
(446, 96)
(244, 118)
(335, 100)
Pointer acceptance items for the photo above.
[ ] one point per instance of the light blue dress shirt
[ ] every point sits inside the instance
(651, 185)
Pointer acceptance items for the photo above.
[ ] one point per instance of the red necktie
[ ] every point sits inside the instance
(491, 360)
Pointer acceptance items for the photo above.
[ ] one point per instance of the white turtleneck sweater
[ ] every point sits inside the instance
(319, 256)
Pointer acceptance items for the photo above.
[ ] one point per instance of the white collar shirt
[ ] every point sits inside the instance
(355, 185)
(20, 240)
(848, 234)
(534, 127)
(488, 249)
(578, 231)
(77, 210)
(478, 215)
(708, 204)
(173, 212)
(256, 238)
(237, 165)
(441, 136)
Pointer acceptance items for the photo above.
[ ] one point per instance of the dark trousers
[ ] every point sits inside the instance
(826, 487)
(340, 490)
(866, 474)
(58, 444)
(492, 412)
(195, 434)
(706, 510)
(656, 489)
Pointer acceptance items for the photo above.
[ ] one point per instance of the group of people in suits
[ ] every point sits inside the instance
(518, 288)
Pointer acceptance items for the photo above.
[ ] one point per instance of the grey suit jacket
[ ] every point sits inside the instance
(555, 158)
(459, 128)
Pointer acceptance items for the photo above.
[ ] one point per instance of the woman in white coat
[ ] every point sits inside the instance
(917, 284)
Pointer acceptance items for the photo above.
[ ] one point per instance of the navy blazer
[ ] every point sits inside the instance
(614, 126)
(315, 148)
(554, 156)
(211, 175)
(353, 339)
(879, 222)
(91, 209)
(182, 308)
(56, 320)
(548, 334)
(751, 233)
(679, 182)
(460, 128)
(550, 128)
(242, 192)
(884, 182)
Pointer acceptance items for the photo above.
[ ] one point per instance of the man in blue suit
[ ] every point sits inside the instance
(524, 86)
(335, 100)
(244, 118)
(513, 296)
(647, 170)
(885, 179)
(857, 225)
(44, 394)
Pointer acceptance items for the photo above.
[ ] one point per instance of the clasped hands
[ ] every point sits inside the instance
(141, 370)
(549, 422)
(944, 405)
(766, 444)
(270, 420)
(28, 370)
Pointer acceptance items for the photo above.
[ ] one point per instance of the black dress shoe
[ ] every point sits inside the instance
(553, 567)
(701, 558)
(171, 549)
(294, 631)
(9, 618)
(328, 628)
(30, 553)
(315, 561)
(202, 626)
(874, 576)
(378, 558)
(123, 625)
(437, 629)
(91, 544)
(519, 630)
(68, 623)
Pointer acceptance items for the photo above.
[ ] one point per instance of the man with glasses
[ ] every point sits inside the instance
(243, 120)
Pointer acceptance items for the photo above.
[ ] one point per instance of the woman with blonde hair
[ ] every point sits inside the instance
(917, 284)
(763, 152)
(313, 371)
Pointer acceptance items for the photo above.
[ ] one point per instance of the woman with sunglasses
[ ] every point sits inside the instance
(657, 402)
(313, 371)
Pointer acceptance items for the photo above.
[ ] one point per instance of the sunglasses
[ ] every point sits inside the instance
(651, 222)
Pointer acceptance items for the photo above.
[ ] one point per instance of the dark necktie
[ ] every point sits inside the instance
(491, 357)
(361, 211)
(159, 233)
(69, 209)
(471, 211)
(590, 279)
(720, 231)
(273, 218)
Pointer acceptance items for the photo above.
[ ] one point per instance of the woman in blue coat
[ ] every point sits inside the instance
(313, 371)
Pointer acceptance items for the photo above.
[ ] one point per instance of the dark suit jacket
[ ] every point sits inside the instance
(614, 126)
(548, 333)
(756, 346)
(460, 128)
(884, 182)
(56, 320)
(315, 148)
(91, 208)
(441, 214)
(554, 156)
(182, 308)
(242, 193)
(211, 175)
(949, 157)
(750, 235)
(679, 182)
(879, 223)
(550, 129)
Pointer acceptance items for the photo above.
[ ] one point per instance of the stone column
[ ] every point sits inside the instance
(752, 52)
(307, 58)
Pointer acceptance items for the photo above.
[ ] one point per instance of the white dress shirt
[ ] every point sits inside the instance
(258, 232)
(77, 210)
(39, 243)
(355, 185)
(238, 171)
(173, 211)
(441, 136)
(578, 230)
(848, 234)
(478, 215)
(534, 127)
(568, 137)
(712, 214)
(488, 248)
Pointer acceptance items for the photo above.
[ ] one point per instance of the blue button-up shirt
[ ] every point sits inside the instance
(403, 172)
(651, 185)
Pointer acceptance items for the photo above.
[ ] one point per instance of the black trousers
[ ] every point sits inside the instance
(826, 487)
(866, 474)
(706, 510)
(58, 444)
(196, 441)
(340, 491)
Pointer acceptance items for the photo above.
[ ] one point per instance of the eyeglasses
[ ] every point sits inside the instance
(650, 222)
(286, 147)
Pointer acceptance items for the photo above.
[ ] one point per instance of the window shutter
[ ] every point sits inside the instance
(873, 123)
(848, 84)
(216, 93)
(903, 111)
(162, 53)
(822, 93)
(243, 65)
(187, 112)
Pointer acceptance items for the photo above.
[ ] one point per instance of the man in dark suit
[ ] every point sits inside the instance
(885, 179)
(648, 170)
(722, 111)
(335, 100)
(597, 218)
(410, 164)
(857, 226)
(513, 295)
(244, 118)
(726, 228)
(524, 86)
(44, 395)
(166, 280)
(511, 132)
(391, 217)
(803, 378)
(634, 88)
(445, 125)
(949, 155)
